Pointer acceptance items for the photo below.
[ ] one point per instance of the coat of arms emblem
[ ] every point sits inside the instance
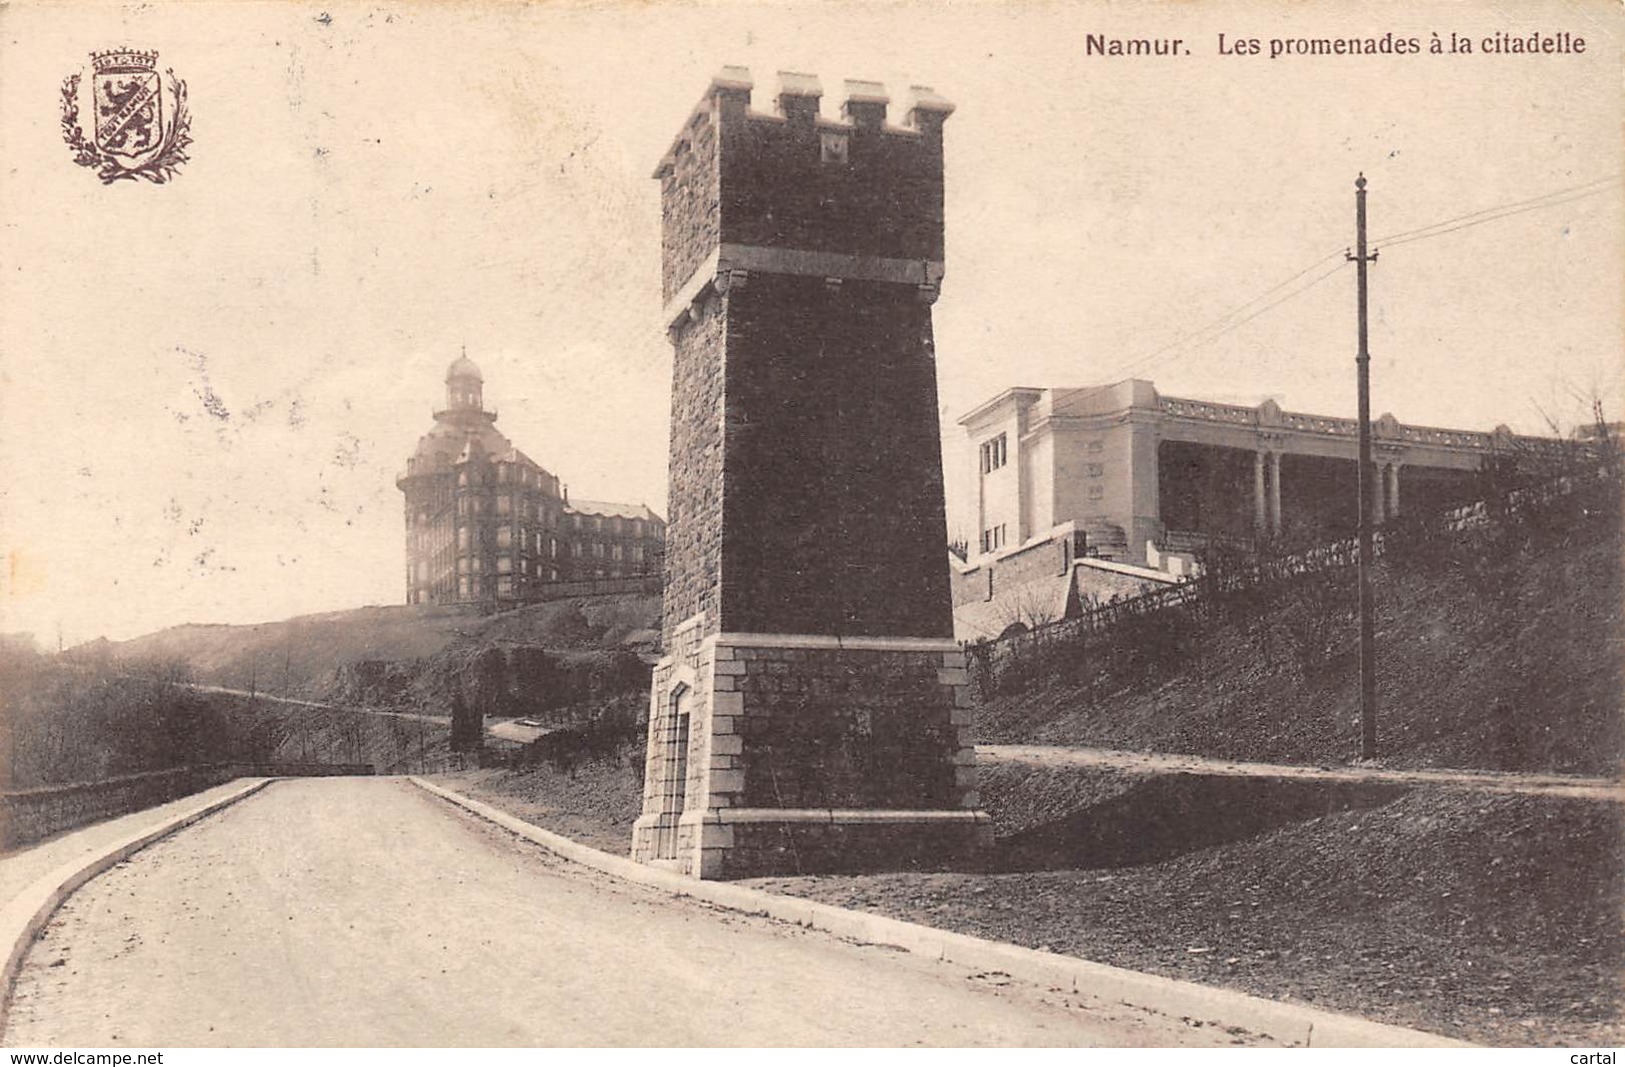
(139, 126)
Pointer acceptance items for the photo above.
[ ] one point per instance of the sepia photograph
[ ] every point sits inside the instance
(703, 524)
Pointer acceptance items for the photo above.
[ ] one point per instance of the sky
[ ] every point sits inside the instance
(207, 387)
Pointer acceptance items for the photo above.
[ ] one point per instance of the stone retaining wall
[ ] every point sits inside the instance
(29, 815)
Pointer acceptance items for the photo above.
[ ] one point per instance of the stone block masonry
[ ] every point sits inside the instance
(834, 511)
(806, 753)
(693, 568)
(810, 713)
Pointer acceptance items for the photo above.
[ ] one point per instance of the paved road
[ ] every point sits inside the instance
(1166, 762)
(353, 911)
(22, 866)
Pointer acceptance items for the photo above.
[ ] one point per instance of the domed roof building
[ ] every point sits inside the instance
(463, 367)
(486, 523)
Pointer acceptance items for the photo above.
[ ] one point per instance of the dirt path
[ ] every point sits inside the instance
(365, 912)
(1167, 763)
(198, 686)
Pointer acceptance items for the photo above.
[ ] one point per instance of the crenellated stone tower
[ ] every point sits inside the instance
(810, 713)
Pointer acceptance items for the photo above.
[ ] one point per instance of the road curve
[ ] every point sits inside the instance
(363, 912)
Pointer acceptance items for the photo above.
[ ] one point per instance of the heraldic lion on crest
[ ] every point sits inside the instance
(139, 128)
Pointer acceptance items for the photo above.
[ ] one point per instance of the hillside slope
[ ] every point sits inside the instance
(413, 656)
(1520, 673)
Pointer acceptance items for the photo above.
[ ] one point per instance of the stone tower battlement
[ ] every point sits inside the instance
(737, 183)
(802, 258)
(810, 711)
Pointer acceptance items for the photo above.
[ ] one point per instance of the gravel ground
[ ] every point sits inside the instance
(1486, 918)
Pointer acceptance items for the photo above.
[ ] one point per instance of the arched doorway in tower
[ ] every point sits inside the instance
(673, 771)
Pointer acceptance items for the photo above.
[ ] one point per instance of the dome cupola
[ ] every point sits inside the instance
(464, 385)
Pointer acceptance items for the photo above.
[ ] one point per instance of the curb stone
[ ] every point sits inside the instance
(1287, 1023)
(25, 915)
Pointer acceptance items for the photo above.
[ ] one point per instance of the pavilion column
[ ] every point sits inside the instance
(1275, 493)
(1260, 492)
(1377, 493)
(1393, 489)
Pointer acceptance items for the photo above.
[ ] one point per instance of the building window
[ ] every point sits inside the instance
(1096, 492)
(504, 536)
(615, 552)
(637, 553)
(993, 538)
(504, 587)
(504, 564)
(462, 537)
(994, 454)
(1096, 445)
(1096, 469)
(504, 504)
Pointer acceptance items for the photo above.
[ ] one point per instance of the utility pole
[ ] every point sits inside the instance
(1362, 362)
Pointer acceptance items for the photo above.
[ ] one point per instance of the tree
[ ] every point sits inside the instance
(467, 725)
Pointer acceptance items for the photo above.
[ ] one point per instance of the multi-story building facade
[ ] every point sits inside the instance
(1141, 474)
(1087, 494)
(486, 523)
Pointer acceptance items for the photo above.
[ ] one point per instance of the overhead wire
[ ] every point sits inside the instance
(1216, 328)
(1551, 199)
(1423, 236)
(1237, 310)
(1267, 307)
